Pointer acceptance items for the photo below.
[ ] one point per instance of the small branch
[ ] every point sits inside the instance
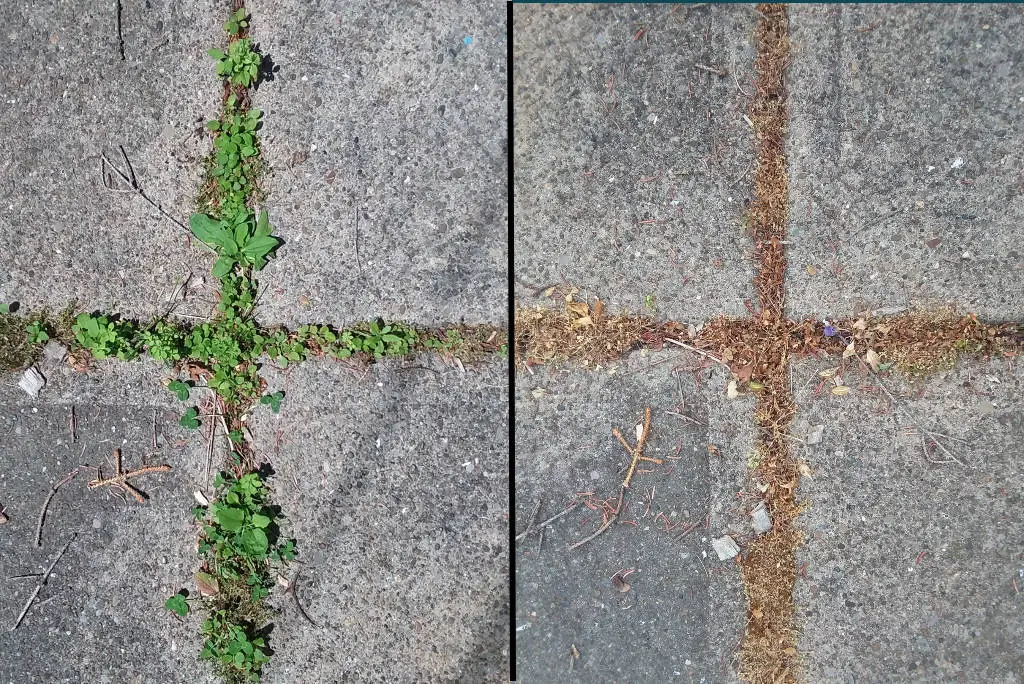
(120, 478)
(721, 73)
(46, 503)
(291, 590)
(42, 581)
(547, 522)
(138, 190)
(698, 351)
(897, 403)
(599, 531)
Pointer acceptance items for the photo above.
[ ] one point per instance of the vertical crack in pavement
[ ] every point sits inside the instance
(768, 652)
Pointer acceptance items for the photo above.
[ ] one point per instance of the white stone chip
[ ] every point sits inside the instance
(762, 521)
(814, 436)
(32, 381)
(726, 547)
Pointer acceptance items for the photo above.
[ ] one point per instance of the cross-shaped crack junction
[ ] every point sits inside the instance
(758, 349)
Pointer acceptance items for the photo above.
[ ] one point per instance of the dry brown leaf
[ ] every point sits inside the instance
(620, 584)
(872, 359)
(580, 308)
(828, 372)
(860, 324)
(804, 469)
(207, 583)
(742, 373)
(849, 351)
(582, 322)
(598, 310)
(841, 390)
(728, 354)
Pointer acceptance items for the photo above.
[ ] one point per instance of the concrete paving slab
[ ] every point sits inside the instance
(395, 483)
(100, 617)
(633, 164)
(905, 158)
(68, 98)
(386, 135)
(910, 565)
(684, 614)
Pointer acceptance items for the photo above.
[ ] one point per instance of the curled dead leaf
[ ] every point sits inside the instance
(598, 310)
(620, 584)
(580, 308)
(829, 372)
(860, 324)
(582, 322)
(841, 390)
(804, 469)
(872, 359)
(849, 351)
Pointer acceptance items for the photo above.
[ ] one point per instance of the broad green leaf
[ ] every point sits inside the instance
(213, 125)
(260, 521)
(263, 228)
(260, 246)
(222, 267)
(231, 519)
(216, 54)
(207, 229)
(254, 542)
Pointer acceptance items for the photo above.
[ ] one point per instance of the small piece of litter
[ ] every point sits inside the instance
(762, 521)
(54, 351)
(467, 40)
(726, 547)
(32, 381)
(957, 163)
(814, 436)
(201, 498)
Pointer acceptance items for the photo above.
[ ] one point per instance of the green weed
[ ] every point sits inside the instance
(240, 65)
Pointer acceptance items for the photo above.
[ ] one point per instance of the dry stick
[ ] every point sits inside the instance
(46, 503)
(140, 193)
(698, 351)
(547, 522)
(599, 531)
(913, 420)
(120, 478)
(120, 39)
(295, 596)
(42, 581)
(721, 73)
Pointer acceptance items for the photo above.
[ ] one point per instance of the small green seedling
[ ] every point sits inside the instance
(273, 400)
(235, 436)
(180, 388)
(240, 64)
(37, 332)
(191, 419)
(236, 22)
(178, 604)
(237, 240)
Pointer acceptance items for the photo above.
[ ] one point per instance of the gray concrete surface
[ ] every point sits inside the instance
(384, 111)
(644, 197)
(100, 617)
(396, 484)
(905, 129)
(684, 613)
(67, 99)
(877, 96)
(872, 608)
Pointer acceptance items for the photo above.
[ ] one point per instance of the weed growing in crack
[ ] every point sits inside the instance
(240, 65)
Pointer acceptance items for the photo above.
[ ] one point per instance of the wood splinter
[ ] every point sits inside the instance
(120, 478)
